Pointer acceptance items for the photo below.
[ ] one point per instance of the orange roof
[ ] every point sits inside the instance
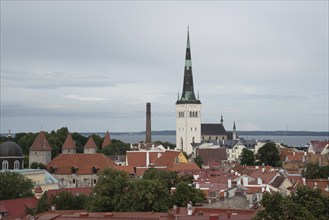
(107, 140)
(38, 189)
(40, 143)
(251, 190)
(138, 158)
(167, 159)
(184, 167)
(90, 143)
(296, 157)
(266, 177)
(128, 169)
(69, 142)
(84, 163)
(16, 207)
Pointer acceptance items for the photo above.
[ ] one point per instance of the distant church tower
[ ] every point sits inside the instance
(188, 109)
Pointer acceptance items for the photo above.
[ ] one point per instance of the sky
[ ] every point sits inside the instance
(92, 66)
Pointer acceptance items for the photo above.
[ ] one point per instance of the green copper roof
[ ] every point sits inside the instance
(188, 95)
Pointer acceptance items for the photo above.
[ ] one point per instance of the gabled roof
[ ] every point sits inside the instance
(107, 140)
(40, 143)
(266, 176)
(318, 146)
(209, 155)
(184, 167)
(16, 207)
(138, 158)
(167, 159)
(213, 129)
(83, 163)
(277, 182)
(90, 143)
(69, 142)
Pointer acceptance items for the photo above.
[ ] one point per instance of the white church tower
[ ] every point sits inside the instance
(188, 110)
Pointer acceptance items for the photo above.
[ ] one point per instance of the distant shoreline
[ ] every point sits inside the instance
(240, 133)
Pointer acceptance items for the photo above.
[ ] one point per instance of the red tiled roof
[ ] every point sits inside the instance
(128, 169)
(251, 190)
(266, 177)
(107, 140)
(184, 167)
(90, 143)
(84, 162)
(138, 158)
(38, 189)
(16, 207)
(167, 159)
(40, 143)
(212, 155)
(69, 142)
(318, 146)
(296, 157)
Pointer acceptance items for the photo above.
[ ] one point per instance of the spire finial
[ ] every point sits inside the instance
(221, 118)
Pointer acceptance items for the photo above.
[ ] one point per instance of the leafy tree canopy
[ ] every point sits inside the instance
(14, 185)
(269, 154)
(247, 157)
(117, 148)
(198, 161)
(185, 193)
(314, 171)
(306, 203)
(67, 201)
(36, 165)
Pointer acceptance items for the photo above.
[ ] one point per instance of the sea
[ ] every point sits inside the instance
(292, 141)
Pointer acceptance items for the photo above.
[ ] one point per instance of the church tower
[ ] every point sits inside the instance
(188, 109)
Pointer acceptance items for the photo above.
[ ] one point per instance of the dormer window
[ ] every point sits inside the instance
(95, 170)
(74, 170)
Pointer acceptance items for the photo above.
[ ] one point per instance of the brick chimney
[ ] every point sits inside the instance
(148, 123)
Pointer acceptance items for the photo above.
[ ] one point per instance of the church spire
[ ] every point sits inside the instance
(188, 95)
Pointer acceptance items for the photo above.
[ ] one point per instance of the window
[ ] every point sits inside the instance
(196, 114)
(193, 140)
(94, 181)
(5, 165)
(16, 165)
(191, 115)
(73, 181)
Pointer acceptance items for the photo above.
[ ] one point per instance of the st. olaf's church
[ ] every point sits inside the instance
(189, 129)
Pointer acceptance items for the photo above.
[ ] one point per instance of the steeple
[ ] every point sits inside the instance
(188, 95)
(221, 119)
(234, 128)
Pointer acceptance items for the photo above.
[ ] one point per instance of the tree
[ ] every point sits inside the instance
(166, 144)
(117, 148)
(67, 201)
(151, 195)
(36, 165)
(314, 171)
(14, 185)
(185, 193)
(168, 178)
(269, 154)
(112, 192)
(198, 161)
(306, 203)
(247, 157)
(43, 204)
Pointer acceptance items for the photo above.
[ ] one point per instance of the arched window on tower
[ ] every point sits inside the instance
(16, 165)
(193, 140)
(196, 114)
(191, 115)
(181, 143)
(5, 165)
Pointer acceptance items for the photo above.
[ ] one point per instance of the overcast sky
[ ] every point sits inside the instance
(93, 65)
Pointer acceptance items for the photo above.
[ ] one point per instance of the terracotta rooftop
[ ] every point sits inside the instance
(40, 143)
(318, 146)
(83, 163)
(266, 176)
(184, 167)
(107, 140)
(90, 143)
(16, 207)
(69, 142)
(167, 159)
(212, 155)
(138, 158)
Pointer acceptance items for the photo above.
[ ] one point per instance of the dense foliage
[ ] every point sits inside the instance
(306, 203)
(269, 154)
(314, 171)
(21, 188)
(166, 144)
(247, 157)
(36, 165)
(116, 191)
(117, 148)
(198, 161)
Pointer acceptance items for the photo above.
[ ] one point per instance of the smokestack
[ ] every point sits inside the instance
(148, 123)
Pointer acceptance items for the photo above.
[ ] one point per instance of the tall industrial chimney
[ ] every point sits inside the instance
(148, 123)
